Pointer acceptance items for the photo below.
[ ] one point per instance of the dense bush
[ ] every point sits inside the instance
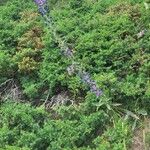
(110, 41)
(107, 45)
(24, 126)
(104, 37)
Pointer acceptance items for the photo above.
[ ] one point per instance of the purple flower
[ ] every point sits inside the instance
(92, 84)
(93, 87)
(85, 77)
(98, 93)
(42, 11)
(40, 2)
(68, 52)
(42, 6)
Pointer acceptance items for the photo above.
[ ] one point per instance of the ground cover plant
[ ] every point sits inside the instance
(74, 75)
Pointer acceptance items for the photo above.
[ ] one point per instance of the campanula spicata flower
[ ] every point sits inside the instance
(74, 68)
(42, 6)
(40, 2)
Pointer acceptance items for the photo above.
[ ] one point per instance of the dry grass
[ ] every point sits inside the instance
(142, 136)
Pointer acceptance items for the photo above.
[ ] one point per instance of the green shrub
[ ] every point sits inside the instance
(116, 137)
(104, 40)
(7, 66)
(110, 41)
(25, 126)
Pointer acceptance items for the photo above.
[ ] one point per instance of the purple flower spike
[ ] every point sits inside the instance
(68, 52)
(40, 2)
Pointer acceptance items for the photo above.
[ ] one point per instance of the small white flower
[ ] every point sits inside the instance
(146, 5)
(141, 34)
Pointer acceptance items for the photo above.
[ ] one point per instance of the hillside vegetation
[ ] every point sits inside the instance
(45, 103)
